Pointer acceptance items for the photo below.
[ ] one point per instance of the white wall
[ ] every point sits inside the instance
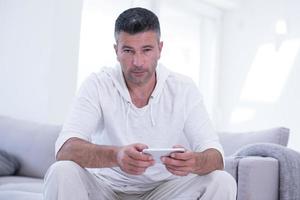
(259, 72)
(39, 42)
(39, 45)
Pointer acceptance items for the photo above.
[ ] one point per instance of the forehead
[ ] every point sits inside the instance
(138, 39)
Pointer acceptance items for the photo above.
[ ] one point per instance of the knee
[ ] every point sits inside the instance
(222, 177)
(224, 181)
(62, 169)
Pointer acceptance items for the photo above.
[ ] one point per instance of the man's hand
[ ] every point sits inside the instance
(132, 161)
(181, 164)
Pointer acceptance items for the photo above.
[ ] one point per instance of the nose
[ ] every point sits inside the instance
(138, 60)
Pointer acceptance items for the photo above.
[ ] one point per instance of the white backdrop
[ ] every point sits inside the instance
(260, 68)
(39, 41)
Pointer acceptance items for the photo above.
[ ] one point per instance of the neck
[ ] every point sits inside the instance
(140, 94)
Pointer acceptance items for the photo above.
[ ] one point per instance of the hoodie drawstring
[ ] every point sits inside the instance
(151, 112)
(151, 116)
(127, 116)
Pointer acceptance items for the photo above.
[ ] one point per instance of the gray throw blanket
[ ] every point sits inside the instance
(289, 166)
(8, 164)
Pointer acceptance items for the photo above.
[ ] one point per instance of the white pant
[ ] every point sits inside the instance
(66, 180)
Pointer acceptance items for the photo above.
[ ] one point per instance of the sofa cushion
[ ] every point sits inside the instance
(8, 164)
(36, 187)
(232, 141)
(20, 195)
(18, 179)
(22, 188)
(30, 142)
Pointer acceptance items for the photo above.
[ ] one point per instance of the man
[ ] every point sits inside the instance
(121, 111)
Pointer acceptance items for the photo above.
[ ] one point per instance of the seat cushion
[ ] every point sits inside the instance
(20, 195)
(21, 188)
(22, 184)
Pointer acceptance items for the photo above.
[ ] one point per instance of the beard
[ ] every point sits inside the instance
(139, 75)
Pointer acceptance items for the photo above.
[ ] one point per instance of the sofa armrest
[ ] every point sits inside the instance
(258, 178)
(30, 142)
(231, 165)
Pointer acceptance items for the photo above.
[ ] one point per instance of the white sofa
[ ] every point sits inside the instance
(257, 177)
(32, 144)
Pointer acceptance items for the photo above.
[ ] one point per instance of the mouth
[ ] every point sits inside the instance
(138, 73)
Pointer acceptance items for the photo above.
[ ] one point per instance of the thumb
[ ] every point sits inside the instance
(178, 146)
(140, 147)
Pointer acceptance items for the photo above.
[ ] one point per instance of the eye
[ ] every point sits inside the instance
(147, 50)
(127, 51)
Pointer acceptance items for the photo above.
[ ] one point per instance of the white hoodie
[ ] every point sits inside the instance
(103, 113)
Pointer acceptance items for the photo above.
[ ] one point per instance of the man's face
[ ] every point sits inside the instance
(138, 55)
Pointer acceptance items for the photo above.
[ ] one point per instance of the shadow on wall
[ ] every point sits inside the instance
(266, 78)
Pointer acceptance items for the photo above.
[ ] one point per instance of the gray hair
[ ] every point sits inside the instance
(137, 20)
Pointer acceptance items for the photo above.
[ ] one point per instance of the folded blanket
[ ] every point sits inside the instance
(289, 166)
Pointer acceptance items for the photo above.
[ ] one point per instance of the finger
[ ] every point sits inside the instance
(138, 160)
(130, 167)
(140, 163)
(182, 169)
(177, 173)
(140, 156)
(182, 156)
(136, 152)
(170, 161)
(140, 147)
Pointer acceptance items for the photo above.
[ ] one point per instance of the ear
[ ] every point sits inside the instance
(160, 46)
(116, 51)
(116, 48)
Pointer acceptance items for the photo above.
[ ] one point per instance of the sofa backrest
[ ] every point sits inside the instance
(232, 141)
(33, 143)
(30, 142)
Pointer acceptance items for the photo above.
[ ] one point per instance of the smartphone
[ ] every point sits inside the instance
(157, 153)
